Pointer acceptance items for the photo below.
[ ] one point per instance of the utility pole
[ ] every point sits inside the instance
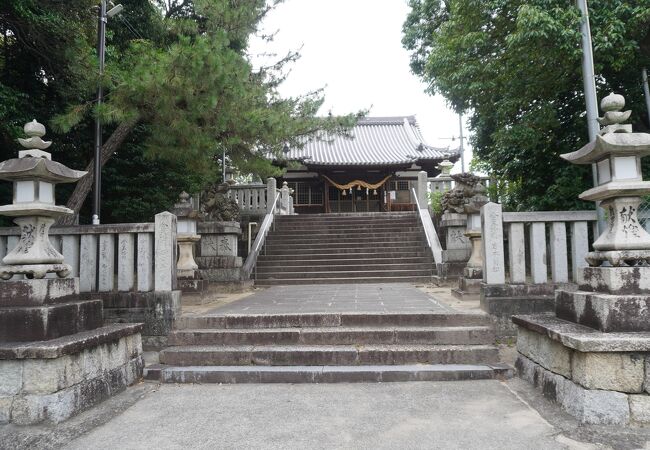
(591, 100)
(101, 54)
(462, 147)
(97, 168)
(646, 91)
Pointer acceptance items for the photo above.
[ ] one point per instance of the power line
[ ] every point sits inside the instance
(130, 27)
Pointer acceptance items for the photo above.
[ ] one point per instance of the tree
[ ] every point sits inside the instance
(515, 67)
(197, 93)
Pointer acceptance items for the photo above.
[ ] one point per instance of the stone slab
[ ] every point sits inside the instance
(582, 338)
(326, 374)
(38, 323)
(219, 228)
(38, 292)
(546, 352)
(595, 407)
(615, 280)
(67, 345)
(218, 262)
(622, 372)
(604, 312)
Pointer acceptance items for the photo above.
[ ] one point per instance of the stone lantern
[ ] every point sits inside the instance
(592, 355)
(34, 176)
(617, 153)
(186, 227)
(57, 357)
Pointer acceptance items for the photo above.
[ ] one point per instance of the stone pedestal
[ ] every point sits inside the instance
(219, 263)
(56, 357)
(458, 247)
(469, 285)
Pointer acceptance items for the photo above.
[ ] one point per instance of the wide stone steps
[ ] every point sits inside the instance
(343, 319)
(316, 267)
(469, 335)
(349, 280)
(404, 250)
(327, 273)
(352, 232)
(267, 262)
(343, 238)
(423, 255)
(327, 374)
(326, 355)
(330, 347)
(341, 244)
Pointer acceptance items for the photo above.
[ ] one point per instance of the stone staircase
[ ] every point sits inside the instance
(345, 248)
(329, 347)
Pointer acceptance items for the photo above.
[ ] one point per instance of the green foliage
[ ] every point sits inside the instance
(515, 67)
(435, 200)
(180, 69)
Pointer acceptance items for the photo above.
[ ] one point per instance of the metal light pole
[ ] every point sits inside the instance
(101, 54)
(591, 100)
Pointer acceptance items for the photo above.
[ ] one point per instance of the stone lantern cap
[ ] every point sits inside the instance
(184, 209)
(445, 167)
(617, 153)
(34, 175)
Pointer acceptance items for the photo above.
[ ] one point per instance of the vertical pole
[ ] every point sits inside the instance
(223, 166)
(646, 91)
(591, 100)
(97, 167)
(462, 146)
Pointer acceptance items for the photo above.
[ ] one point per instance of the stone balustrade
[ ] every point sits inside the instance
(128, 257)
(252, 199)
(536, 242)
(526, 256)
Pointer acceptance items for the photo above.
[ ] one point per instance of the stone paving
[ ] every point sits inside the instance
(335, 298)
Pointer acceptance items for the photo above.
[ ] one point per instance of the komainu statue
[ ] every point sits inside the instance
(216, 206)
(466, 197)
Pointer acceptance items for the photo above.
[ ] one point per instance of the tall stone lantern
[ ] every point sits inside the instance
(57, 356)
(34, 176)
(186, 227)
(592, 355)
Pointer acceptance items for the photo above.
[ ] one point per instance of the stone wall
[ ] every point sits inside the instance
(53, 380)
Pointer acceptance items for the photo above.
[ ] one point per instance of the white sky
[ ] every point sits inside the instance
(353, 48)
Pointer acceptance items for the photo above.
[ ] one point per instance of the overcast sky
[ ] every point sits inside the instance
(353, 49)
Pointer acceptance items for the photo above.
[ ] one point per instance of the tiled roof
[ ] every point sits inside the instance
(375, 141)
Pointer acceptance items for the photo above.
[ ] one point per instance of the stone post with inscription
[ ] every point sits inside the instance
(592, 355)
(57, 357)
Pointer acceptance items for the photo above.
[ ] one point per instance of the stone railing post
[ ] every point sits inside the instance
(493, 251)
(165, 252)
(421, 190)
(284, 198)
(271, 188)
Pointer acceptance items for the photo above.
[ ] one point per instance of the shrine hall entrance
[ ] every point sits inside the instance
(355, 200)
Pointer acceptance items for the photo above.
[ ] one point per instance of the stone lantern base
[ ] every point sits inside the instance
(591, 356)
(56, 357)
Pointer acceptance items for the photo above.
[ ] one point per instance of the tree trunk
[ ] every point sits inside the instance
(85, 185)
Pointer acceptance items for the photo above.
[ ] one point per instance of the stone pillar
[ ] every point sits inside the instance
(271, 188)
(422, 190)
(492, 236)
(165, 252)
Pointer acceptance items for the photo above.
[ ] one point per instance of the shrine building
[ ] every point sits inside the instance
(371, 171)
